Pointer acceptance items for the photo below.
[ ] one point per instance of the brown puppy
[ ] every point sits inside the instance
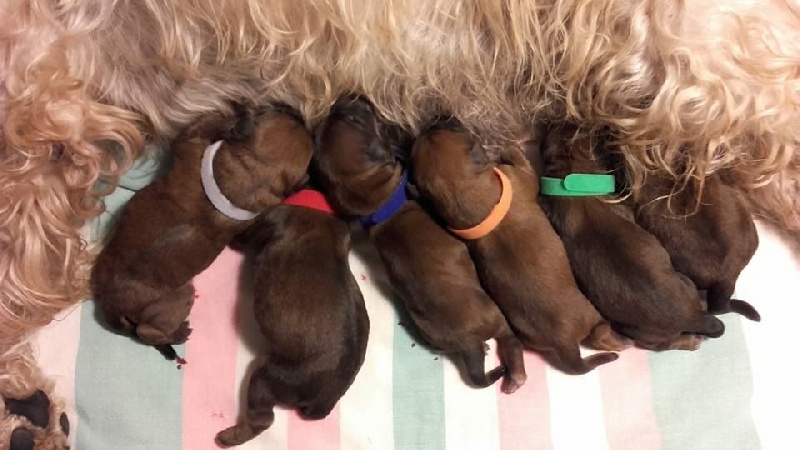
(430, 269)
(711, 245)
(622, 268)
(170, 231)
(521, 263)
(312, 315)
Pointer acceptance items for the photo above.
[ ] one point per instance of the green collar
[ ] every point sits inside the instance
(578, 185)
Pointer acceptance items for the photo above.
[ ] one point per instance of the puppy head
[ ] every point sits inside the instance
(264, 157)
(449, 167)
(355, 161)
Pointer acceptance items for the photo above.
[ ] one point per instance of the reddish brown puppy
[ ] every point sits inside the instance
(709, 241)
(622, 268)
(310, 311)
(430, 269)
(520, 259)
(171, 231)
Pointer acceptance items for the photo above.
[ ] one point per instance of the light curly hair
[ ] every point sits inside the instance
(687, 88)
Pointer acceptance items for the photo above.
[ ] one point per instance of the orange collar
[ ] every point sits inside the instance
(496, 215)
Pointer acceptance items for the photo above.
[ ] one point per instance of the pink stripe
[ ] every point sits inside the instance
(525, 415)
(209, 384)
(627, 400)
(322, 434)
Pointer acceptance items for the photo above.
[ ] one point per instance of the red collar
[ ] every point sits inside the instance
(309, 198)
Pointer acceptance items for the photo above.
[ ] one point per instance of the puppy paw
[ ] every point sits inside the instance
(181, 335)
(235, 435)
(688, 342)
(512, 383)
(21, 439)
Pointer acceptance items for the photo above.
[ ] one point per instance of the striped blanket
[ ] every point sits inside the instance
(735, 393)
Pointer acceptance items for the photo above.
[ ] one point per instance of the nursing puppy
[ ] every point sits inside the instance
(312, 315)
(710, 244)
(622, 268)
(521, 263)
(430, 269)
(170, 231)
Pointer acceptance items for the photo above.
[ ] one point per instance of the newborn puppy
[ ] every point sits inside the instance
(309, 309)
(430, 269)
(521, 261)
(622, 268)
(711, 245)
(171, 231)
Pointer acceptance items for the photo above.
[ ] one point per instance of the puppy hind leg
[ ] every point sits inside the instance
(318, 411)
(603, 337)
(707, 325)
(569, 354)
(474, 364)
(689, 342)
(258, 416)
(511, 356)
(256, 422)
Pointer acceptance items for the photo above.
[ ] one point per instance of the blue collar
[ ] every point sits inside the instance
(390, 207)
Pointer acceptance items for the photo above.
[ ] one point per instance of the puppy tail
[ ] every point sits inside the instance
(743, 308)
(573, 364)
(473, 362)
(707, 325)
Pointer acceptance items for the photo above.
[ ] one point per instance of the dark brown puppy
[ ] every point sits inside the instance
(522, 263)
(710, 244)
(170, 231)
(430, 269)
(622, 268)
(312, 315)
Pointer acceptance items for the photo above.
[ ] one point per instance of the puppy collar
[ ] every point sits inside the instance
(577, 185)
(309, 198)
(214, 194)
(496, 215)
(390, 206)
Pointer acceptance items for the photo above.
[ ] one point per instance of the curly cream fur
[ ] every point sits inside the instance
(20, 378)
(687, 87)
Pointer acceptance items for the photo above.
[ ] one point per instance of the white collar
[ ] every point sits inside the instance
(214, 194)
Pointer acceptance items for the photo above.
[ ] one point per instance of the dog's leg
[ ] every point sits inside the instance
(510, 349)
(720, 302)
(571, 362)
(690, 342)
(318, 412)
(259, 414)
(603, 337)
(707, 325)
(474, 365)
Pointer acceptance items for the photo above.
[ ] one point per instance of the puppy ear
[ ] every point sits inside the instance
(244, 128)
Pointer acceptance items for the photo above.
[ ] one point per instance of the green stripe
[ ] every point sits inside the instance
(129, 396)
(702, 398)
(418, 395)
